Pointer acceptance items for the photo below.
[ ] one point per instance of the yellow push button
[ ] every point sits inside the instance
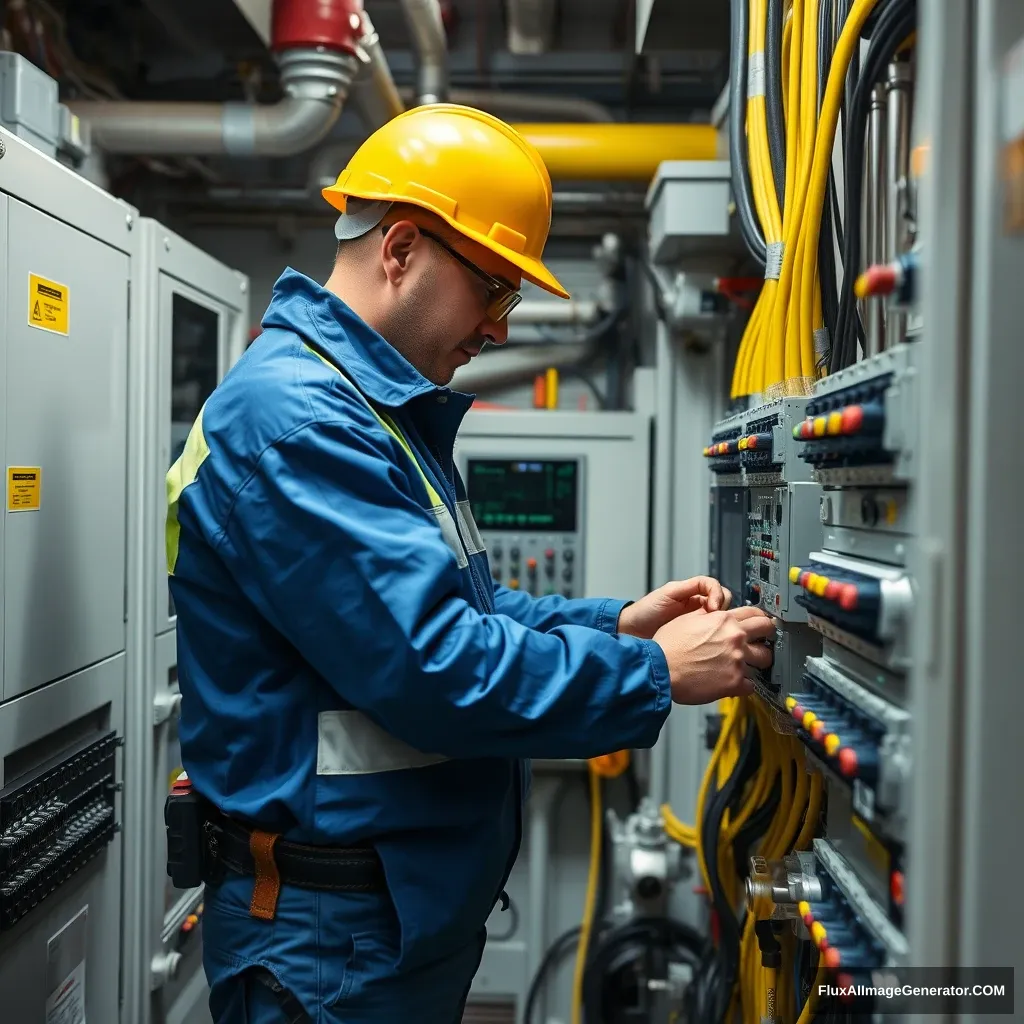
(513, 584)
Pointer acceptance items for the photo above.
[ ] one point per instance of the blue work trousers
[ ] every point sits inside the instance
(326, 958)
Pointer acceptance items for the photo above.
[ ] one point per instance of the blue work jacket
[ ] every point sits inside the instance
(349, 671)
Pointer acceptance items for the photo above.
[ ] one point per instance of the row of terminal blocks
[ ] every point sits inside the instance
(812, 516)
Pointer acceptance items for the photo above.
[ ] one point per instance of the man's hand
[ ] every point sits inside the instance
(713, 655)
(661, 606)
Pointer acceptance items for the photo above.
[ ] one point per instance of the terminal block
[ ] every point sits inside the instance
(862, 738)
(859, 424)
(855, 931)
(723, 454)
(863, 605)
(53, 822)
(769, 454)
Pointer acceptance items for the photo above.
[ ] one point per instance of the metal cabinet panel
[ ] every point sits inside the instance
(194, 331)
(94, 697)
(64, 564)
(4, 207)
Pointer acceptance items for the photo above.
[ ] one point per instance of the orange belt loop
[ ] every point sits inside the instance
(268, 881)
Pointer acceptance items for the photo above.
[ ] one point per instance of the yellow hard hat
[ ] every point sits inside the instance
(471, 169)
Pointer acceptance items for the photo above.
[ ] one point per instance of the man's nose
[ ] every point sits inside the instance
(495, 331)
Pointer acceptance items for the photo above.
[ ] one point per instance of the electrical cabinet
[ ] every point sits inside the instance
(545, 489)
(189, 325)
(67, 250)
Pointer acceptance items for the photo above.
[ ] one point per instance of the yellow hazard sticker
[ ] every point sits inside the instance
(48, 304)
(24, 488)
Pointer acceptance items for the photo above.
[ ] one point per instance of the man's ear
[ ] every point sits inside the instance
(396, 248)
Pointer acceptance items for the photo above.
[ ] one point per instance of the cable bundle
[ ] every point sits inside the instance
(756, 792)
(782, 348)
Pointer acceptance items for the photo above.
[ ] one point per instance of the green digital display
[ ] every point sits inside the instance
(514, 494)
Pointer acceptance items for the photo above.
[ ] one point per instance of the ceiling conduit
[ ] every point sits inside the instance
(316, 43)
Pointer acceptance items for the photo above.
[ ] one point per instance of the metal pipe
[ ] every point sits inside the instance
(316, 85)
(898, 239)
(626, 152)
(517, 105)
(374, 91)
(531, 26)
(516, 366)
(874, 215)
(431, 44)
(561, 313)
(316, 43)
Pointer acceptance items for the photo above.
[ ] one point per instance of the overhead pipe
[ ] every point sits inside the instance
(517, 105)
(618, 152)
(375, 94)
(518, 365)
(316, 43)
(427, 29)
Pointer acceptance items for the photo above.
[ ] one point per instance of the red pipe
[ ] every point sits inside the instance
(304, 24)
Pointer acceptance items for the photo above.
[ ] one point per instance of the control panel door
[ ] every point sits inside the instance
(65, 448)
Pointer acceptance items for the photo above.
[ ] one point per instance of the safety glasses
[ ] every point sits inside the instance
(502, 296)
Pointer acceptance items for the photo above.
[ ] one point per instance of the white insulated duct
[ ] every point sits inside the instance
(317, 45)
(427, 30)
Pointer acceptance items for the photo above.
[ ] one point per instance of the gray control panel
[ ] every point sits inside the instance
(531, 516)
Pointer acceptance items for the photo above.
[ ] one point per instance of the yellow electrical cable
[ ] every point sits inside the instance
(676, 829)
(596, 820)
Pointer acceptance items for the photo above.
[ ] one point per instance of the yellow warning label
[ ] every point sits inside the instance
(48, 303)
(24, 488)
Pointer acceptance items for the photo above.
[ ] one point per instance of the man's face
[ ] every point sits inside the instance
(440, 315)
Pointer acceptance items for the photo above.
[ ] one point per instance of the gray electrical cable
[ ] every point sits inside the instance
(738, 164)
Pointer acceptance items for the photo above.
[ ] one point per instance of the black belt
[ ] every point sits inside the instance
(333, 869)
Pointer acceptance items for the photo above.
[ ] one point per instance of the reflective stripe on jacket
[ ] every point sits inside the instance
(349, 671)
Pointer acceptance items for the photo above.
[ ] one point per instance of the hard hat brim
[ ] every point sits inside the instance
(533, 270)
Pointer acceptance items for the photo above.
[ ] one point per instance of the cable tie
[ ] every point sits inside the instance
(756, 77)
(774, 252)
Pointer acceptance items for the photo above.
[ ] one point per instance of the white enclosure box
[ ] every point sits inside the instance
(601, 511)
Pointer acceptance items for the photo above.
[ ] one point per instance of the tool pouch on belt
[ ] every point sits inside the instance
(185, 818)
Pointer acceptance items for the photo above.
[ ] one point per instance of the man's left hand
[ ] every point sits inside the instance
(645, 617)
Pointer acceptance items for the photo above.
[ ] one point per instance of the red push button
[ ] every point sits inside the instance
(896, 888)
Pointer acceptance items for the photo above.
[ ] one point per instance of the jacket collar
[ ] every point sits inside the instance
(376, 367)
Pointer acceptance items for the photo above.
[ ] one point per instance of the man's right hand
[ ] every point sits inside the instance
(712, 654)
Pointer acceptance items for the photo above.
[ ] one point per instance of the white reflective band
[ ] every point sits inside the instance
(349, 743)
(450, 532)
(470, 531)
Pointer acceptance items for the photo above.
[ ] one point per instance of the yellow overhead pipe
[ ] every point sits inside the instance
(618, 152)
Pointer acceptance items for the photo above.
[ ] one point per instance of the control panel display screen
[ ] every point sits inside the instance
(517, 495)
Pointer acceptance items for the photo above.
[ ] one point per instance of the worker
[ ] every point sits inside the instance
(360, 700)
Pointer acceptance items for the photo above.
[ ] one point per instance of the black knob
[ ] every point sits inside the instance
(567, 574)
(496, 551)
(514, 554)
(567, 554)
(567, 592)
